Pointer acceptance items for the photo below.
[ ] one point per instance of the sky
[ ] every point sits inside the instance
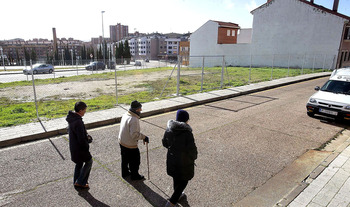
(82, 19)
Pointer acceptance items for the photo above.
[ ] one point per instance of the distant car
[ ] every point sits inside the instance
(39, 68)
(95, 66)
(111, 65)
(147, 60)
(137, 63)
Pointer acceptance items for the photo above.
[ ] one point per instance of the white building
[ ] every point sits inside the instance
(173, 45)
(154, 47)
(295, 33)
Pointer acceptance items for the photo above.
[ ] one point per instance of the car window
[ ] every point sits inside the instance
(336, 86)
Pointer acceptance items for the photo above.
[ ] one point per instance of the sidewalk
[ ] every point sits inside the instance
(327, 185)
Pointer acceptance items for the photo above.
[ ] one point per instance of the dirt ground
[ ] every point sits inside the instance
(85, 89)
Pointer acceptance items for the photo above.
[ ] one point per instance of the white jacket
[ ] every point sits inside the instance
(129, 132)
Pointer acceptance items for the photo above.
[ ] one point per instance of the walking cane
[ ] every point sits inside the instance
(147, 159)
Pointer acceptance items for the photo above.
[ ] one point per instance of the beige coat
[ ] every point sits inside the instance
(129, 132)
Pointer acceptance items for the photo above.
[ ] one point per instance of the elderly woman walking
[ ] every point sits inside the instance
(182, 152)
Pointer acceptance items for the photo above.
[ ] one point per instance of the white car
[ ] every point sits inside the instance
(39, 68)
(333, 98)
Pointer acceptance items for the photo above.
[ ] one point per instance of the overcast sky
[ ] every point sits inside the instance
(82, 19)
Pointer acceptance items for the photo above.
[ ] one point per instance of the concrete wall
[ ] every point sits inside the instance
(293, 27)
(286, 33)
(245, 35)
(203, 42)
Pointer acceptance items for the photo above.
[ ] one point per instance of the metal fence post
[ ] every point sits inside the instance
(250, 68)
(178, 76)
(36, 103)
(222, 72)
(202, 74)
(116, 86)
(302, 65)
(273, 59)
(76, 64)
(324, 61)
(313, 64)
(288, 65)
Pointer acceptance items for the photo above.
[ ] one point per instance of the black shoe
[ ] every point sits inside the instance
(137, 177)
(124, 175)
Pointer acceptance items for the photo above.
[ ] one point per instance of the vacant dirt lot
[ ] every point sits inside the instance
(85, 89)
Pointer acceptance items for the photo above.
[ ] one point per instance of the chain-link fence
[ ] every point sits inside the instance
(33, 97)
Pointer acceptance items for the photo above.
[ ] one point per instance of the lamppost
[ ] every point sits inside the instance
(2, 57)
(103, 39)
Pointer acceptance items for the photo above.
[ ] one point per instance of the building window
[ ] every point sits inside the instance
(347, 33)
(233, 33)
(228, 32)
(345, 56)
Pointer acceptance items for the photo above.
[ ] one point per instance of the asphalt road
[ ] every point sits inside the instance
(12, 75)
(243, 142)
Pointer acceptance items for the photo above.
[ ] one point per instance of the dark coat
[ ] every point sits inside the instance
(78, 141)
(182, 151)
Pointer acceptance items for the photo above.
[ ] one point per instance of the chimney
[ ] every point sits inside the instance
(335, 5)
(311, 1)
(54, 40)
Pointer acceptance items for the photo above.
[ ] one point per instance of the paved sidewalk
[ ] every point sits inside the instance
(331, 187)
(329, 184)
(33, 131)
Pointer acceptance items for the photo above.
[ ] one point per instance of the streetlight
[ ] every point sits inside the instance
(103, 39)
(2, 57)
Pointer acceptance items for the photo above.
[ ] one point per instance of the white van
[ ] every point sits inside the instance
(333, 98)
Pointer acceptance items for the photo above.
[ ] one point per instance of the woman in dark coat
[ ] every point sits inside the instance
(79, 145)
(182, 152)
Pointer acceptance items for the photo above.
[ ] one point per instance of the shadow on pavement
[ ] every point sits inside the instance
(91, 199)
(151, 196)
(332, 121)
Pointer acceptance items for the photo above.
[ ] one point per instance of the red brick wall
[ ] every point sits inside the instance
(224, 39)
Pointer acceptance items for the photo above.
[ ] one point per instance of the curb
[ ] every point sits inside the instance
(314, 174)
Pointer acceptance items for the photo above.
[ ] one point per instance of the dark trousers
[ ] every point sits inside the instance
(82, 172)
(179, 187)
(130, 161)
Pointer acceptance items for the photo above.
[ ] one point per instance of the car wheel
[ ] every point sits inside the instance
(50, 71)
(310, 114)
(35, 72)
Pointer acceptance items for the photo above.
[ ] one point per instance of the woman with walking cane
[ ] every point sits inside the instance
(182, 152)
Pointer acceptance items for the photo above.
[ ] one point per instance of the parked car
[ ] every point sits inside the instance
(95, 66)
(147, 60)
(137, 63)
(333, 98)
(39, 68)
(111, 65)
